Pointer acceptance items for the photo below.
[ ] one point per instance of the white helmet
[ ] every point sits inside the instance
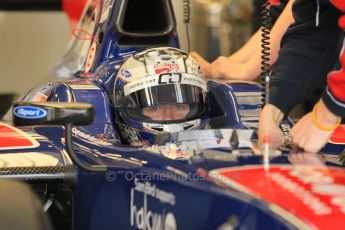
(159, 89)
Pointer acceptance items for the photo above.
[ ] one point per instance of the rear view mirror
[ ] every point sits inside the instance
(52, 113)
(58, 113)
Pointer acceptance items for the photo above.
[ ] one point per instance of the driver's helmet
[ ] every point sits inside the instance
(159, 90)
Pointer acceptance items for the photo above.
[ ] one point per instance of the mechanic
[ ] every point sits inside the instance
(159, 89)
(307, 52)
(314, 129)
(245, 64)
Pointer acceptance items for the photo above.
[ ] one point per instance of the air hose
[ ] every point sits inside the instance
(266, 25)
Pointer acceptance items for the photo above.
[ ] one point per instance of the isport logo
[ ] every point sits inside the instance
(29, 112)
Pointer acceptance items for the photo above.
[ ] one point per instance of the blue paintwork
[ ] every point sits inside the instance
(109, 200)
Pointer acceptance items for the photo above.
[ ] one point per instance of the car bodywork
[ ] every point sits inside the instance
(207, 179)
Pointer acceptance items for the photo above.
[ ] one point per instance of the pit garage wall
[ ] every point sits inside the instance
(32, 42)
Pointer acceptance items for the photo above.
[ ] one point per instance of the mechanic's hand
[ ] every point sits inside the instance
(270, 119)
(307, 135)
(222, 68)
(226, 68)
(205, 65)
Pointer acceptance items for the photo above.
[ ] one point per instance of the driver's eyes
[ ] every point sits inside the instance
(181, 107)
(153, 109)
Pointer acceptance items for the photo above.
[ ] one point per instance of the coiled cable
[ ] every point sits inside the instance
(186, 19)
(266, 25)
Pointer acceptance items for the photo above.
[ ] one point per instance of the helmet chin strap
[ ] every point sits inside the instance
(173, 128)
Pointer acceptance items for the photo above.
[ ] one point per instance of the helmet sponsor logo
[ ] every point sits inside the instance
(166, 67)
(126, 73)
(170, 78)
(29, 112)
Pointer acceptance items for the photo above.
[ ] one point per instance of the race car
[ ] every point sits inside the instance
(72, 140)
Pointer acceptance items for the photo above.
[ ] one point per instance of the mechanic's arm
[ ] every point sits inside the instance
(234, 61)
(246, 51)
(313, 131)
(277, 32)
(245, 64)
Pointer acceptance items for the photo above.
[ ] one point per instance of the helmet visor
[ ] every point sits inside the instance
(180, 101)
